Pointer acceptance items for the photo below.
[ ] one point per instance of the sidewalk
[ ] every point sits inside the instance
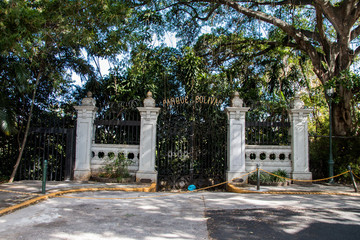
(315, 188)
(18, 192)
(214, 215)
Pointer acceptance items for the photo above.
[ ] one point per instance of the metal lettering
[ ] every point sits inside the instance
(182, 100)
(201, 99)
(185, 100)
(197, 99)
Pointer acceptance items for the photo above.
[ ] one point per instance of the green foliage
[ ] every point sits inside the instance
(345, 152)
(44, 40)
(267, 178)
(264, 177)
(282, 173)
(116, 168)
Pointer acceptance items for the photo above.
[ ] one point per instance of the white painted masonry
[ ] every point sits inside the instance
(101, 156)
(299, 140)
(241, 158)
(149, 114)
(236, 138)
(84, 135)
(269, 157)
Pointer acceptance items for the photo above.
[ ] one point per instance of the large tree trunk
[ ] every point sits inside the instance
(342, 122)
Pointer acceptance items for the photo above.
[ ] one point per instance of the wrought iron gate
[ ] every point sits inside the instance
(54, 143)
(191, 143)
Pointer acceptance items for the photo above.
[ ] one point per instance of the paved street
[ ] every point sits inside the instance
(204, 215)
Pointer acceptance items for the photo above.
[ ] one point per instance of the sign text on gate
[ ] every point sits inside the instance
(187, 100)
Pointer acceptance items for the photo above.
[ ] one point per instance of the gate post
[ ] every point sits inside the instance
(149, 114)
(236, 138)
(299, 140)
(84, 135)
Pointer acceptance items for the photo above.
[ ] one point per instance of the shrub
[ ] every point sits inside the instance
(282, 173)
(346, 152)
(116, 168)
(267, 178)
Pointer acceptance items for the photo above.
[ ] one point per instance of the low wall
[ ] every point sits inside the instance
(269, 157)
(101, 154)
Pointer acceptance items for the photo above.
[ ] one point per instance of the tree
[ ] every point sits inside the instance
(326, 31)
(41, 40)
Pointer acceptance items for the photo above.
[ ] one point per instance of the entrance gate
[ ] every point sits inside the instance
(191, 143)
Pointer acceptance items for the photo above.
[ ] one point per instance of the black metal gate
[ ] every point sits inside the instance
(57, 146)
(191, 143)
(51, 138)
(55, 142)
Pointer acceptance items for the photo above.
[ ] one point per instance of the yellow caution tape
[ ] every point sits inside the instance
(17, 192)
(356, 175)
(298, 180)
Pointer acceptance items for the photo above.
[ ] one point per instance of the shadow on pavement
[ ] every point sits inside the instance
(283, 224)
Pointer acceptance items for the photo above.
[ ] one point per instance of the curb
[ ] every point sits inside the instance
(27, 203)
(234, 189)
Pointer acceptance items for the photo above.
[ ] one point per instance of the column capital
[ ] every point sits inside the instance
(298, 107)
(149, 113)
(236, 112)
(87, 105)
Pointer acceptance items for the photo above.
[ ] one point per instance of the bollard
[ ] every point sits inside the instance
(44, 176)
(258, 177)
(352, 179)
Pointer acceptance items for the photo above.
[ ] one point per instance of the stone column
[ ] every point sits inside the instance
(236, 138)
(149, 114)
(84, 135)
(299, 140)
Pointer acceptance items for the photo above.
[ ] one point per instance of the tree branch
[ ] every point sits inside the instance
(355, 33)
(279, 3)
(297, 35)
(320, 26)
(331, 13)
(356, 52)
(208, 15)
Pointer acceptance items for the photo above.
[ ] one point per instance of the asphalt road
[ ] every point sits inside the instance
(204, 215)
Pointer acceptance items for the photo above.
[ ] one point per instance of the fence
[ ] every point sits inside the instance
(114, 125)
(267, 133)
(242, 155)
(50, 138)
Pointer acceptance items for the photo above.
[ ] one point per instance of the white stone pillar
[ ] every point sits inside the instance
(236, 139)
(84, 135)
(149, 114)
(299, 140)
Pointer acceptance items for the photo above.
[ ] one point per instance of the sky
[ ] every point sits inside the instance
(169, 39)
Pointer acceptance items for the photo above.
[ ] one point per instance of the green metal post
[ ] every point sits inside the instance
(258, 177)
(352, 179)
(331, 159)
(44, 176)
